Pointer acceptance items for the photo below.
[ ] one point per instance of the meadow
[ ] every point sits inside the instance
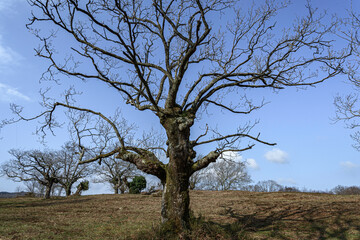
(216, 215)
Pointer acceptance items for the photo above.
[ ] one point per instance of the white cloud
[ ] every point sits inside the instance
(8, 56)
(349, 165)
(277, 156)
(251, 163)
(234, 156)
(9, 94)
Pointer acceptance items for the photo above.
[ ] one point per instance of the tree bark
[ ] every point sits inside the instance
(68, 190)
(48, 190)
(78, 190)
(175, 211)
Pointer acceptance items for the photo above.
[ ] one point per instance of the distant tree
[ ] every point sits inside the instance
(70, 170)
(153, 187)
(35, 188)
(137, 184)
(115, 172)
(83, 186)
(34, 165)
(226, 175)
(176, 60)
(341, 190)
(290, 189)
(57, 189)
(353, 190)
(196, 180)
(338, 190)
(268, 186)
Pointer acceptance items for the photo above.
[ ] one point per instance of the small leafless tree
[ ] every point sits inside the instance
(268, 186)
(35, 188)
(70, 169)
(83, 186)
(197, 179)
(178, 59)
(115, 172)
(225, 175)
(33, 165)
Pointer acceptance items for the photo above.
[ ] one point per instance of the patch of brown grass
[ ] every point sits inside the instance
(218, 215)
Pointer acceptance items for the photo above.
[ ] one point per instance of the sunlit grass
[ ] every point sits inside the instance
(217, 215)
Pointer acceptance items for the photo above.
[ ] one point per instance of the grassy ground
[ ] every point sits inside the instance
(219, 215)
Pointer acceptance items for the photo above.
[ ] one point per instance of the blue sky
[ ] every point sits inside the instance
(311, 151)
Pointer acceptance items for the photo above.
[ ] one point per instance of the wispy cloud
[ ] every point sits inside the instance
(252, 164)
(349, 165)
(277, 156)
(10, 94)
(8, 57)
(7, 4)
(4, 4)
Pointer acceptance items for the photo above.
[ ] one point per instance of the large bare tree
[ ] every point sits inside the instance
(177, 58)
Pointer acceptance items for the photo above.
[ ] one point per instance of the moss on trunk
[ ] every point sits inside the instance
(176, 201)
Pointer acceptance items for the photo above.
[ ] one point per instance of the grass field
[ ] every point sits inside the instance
(218, 215)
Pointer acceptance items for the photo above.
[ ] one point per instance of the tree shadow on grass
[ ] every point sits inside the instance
(293, 222)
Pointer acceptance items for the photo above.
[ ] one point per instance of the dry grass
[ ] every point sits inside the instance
(219, 215)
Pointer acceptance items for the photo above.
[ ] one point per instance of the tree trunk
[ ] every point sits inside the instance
(68, 190)
(78, 190)
(48, 190)
(116, 190)
(175, 210)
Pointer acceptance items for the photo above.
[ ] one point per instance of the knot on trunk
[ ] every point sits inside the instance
(184, 122)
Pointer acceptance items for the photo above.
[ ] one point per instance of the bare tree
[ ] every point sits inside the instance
(226, 175)
(115, 172)
(57, 189)
(348, 106)
(348, 110)
(83, 186)
(70, 170)
(342, 190)
(196, 180)
(176, 59)
(33, 165)
(35, 188)
(268, 186)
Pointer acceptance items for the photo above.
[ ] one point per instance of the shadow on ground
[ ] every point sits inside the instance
(292, 222)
